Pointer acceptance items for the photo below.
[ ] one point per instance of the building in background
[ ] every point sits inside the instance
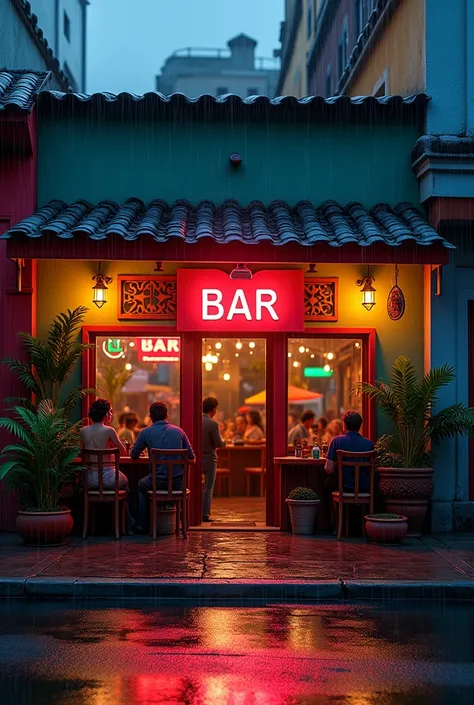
(219, 71)
(46, 35)
(296, 36)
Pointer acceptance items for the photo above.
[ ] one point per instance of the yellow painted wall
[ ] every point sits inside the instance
(401, 48)
(296, 79)
(63, 284)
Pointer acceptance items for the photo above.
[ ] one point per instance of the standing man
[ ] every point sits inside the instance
(302, 429)
(211, 440)
(161, 434)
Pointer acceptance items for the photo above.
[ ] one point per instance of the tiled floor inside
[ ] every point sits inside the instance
(250, 555)
(239, 510)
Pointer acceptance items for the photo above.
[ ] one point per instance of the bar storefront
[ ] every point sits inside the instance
(276, 307)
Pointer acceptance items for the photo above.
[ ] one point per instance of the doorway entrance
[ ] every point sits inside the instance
(234, 371)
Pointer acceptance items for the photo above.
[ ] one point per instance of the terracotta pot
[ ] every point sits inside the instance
(44, 528)
(407, 491)
(165, 521)
(303, 515)
(386, 530)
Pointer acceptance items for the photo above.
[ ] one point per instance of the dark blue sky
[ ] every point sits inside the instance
(128, 40)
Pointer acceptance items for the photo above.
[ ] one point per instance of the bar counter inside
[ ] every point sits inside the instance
(292, 472)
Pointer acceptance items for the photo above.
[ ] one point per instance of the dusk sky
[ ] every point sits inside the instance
(128, 40)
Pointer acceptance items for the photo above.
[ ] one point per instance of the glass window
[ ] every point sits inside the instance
(132, 372)
(252, 91)
(233, 370)
(67, 26)
(309, 22)
(321, 376)
(343, 49)
(222, 90)
(328, 81)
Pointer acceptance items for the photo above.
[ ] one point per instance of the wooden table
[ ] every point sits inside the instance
(246, 456)
(292, 472)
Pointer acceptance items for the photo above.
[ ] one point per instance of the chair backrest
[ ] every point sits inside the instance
(93, 461)
(264, 457)
(356, 462)
(223, 458)
(169, 459)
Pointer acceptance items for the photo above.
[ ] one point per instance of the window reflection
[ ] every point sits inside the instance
(133, 372)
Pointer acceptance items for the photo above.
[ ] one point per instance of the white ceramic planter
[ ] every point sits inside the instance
(303, 515)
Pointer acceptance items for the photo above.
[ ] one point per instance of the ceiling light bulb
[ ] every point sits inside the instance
(312, 356)
(289, 354)
(131, 344)
(214, 359)
(208, 366)
(307, 350)
(218, 346)
(226, 377)
(296, 363)
(251, 344)
(236, 354)
(251, 352)
(128, 366)
(330, 356)
(301, 348)
(238, 345)
(357, 345)
(327, 368)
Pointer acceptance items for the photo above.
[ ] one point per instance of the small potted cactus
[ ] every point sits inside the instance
(303, 503)
(386, 528)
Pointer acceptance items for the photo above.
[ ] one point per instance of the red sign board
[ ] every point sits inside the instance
(208, 300)
(158, 349)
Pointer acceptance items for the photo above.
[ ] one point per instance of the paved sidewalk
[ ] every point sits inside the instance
(222, 565)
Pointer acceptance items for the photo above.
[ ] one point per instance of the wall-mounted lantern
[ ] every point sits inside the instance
(100, 289)
(367, 291)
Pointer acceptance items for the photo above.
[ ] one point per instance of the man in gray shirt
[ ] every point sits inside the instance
(302, 429)
(211, 440)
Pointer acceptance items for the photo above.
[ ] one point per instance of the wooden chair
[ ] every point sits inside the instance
(170, 459)
(93, 461)
(223, 472)
(257, 472)
(343, 500)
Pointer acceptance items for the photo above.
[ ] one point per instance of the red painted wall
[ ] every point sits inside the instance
(18, 168)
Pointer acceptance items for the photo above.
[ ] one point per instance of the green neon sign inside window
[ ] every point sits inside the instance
(317, 372)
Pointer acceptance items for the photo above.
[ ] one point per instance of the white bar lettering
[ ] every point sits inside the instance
(215, 303)
(243, 309)
(147, 345)
(261, 304)
(173, 345)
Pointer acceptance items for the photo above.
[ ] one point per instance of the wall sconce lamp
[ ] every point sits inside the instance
(311, 269)
(367, 291)
(100, 289)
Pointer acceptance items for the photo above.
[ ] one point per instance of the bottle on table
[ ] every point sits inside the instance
(298, 448)
(324, 449)
(127, 445)
(304, 448)
(315, 452)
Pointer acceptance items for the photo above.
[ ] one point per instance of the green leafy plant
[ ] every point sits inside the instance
(51, 362)
(410, 403)
(303, 493)
(111, 379)
(41, 462)
(385, 516)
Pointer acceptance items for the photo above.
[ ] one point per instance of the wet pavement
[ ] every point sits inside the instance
(227, 556)
(85, 654)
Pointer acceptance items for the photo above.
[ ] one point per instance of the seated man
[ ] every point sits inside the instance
(161, 434)
(352, 441)
(302, 429)
(100, 436)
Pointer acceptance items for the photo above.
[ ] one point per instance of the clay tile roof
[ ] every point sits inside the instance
(277, 222)
(19, 88)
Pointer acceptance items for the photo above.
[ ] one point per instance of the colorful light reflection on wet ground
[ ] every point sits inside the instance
(98, 654)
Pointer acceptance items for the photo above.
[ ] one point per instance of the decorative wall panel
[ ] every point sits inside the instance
(146, 297)
(321, 299)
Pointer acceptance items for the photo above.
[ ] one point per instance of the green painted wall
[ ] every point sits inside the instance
(316, 162)
(73, 287)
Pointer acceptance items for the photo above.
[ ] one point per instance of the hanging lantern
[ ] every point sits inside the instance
(367, 291)
(396, 300)
(100, 289)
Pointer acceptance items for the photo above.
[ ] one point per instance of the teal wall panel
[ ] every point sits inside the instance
(95, 161)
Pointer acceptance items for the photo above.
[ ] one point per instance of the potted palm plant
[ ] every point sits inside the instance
(303, 504)
(38, 465)
(406, 458)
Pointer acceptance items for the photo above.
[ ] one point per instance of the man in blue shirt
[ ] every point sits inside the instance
(161, 434)
(352, 441)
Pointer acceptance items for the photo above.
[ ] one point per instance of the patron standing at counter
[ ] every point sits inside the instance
(211, 440)
(302, 429)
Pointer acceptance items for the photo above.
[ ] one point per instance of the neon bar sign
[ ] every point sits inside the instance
(208, 300)
(159, 349)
